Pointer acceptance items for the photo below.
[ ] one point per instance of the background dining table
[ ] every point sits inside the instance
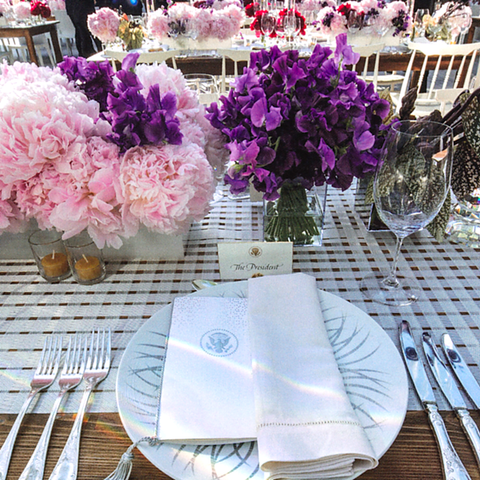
(30, 308)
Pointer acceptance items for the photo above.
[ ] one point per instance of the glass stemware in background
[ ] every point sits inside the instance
(419, 26)
(267, 25)
(290, 26)
(409, 189)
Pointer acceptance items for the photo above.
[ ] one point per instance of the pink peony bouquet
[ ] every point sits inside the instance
(22, 10)
(204, 20)
(104, 24)
(82, 147)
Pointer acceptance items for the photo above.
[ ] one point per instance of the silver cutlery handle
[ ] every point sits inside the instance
(36, 464)
(7, 447)
(471, 430)
(452, 466)
(67, 465)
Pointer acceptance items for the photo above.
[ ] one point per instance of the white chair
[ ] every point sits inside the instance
(65, 29)
(236, 56)
(366, 52)
(456, 74)
(18, 46)
(145, 57)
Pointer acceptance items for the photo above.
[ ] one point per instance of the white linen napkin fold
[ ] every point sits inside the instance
(306, 426)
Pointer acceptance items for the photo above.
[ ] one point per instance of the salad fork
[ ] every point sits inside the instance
(42, 378)
(70, 377)
(96, 369)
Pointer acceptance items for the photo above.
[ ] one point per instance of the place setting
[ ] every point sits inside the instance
(248, 235)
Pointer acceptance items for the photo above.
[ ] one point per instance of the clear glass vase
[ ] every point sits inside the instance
(297, 216)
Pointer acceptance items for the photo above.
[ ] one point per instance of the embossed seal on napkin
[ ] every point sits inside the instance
(207, 391)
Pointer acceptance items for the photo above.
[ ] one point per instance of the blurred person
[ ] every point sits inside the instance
(78, 11)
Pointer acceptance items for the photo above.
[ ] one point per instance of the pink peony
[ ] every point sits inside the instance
(22, 10)
(166, 187)
(158, 24)
(40, 122)
(89, 196)
(104, 24)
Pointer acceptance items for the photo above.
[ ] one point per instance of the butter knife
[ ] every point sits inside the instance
(461, 370)
(452, 466)
(452, 393)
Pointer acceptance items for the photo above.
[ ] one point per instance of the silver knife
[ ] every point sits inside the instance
(452, 393)
(452, 466)
(461, 370)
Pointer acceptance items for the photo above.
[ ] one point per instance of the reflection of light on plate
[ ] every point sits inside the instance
(372, 369)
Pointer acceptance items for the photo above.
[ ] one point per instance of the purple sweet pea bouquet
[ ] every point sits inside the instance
(306, 122)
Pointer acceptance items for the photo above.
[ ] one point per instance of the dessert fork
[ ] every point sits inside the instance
(42, 378)
(70, 377)
(96, 369)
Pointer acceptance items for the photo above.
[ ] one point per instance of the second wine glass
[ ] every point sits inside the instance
(409, 190)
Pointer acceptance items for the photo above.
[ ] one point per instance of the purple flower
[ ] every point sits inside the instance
(307, 121)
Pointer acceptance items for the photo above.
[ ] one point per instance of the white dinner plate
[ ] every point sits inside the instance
(372, 369)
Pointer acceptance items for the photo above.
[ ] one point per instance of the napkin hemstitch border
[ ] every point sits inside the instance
(304, 424)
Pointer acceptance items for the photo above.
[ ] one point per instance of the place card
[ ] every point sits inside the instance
(241, 260)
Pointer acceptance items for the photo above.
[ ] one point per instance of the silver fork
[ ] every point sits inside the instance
(70, 377)
(97, 367)
(42, 378)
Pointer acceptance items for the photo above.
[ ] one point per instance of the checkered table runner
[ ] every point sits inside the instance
(30, 307)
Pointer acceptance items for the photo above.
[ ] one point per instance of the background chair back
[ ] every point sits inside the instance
(366, 52)
(236, 56)
(444, 67)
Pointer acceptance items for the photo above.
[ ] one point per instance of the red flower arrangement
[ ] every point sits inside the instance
(40, 8)
(299, 17)
(256, 24)
(250, 9)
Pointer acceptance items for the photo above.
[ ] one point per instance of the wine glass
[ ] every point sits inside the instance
(419, 26)
(409, 188)
(267, 24)
(290, 25)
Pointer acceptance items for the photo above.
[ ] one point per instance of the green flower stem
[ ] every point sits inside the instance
(287, 219)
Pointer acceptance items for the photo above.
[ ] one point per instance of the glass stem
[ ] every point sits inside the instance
(392, 280)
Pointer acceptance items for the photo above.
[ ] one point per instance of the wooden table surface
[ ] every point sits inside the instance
(413, 456)
(29, 31)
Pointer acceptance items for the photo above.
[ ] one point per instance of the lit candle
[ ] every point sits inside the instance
(55, 264)
(88, 268)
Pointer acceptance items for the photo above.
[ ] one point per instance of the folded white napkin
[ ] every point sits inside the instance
(306, 426)
(207, 389)
(239, 369)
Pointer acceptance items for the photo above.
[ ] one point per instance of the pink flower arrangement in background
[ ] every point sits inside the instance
(104, 24)
(60, 167)
(5, 6)
(57, 4)
(22, 10)
(220, 20)
(376, 16)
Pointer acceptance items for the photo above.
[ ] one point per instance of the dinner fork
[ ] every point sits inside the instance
(70, 377)
(97, 367)
(42, 378)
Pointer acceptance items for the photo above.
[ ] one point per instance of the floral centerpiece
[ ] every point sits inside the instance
(106, 24)
(82, 147)
(40, 9)
(278, 30)
(451, 19)
(22, 10)
(376, 14)
(295, 122)
(220, 20)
